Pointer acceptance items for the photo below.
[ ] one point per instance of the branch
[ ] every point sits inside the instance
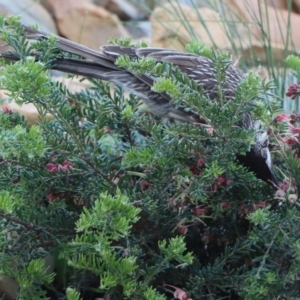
(30, 227)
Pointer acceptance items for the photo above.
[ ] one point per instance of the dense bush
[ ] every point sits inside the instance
(131, 208)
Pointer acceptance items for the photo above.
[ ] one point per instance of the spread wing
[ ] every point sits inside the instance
(101, 65)
(202, 70)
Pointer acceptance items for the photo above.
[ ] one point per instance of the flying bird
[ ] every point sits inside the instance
(101, 65)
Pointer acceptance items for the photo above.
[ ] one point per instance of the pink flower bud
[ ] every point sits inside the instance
(179, 293)
(52, 167)
(282, 118)
(5, 109)
(293, 91)
(201, 162)
(294, 130)
(290, 140)
(65, 166)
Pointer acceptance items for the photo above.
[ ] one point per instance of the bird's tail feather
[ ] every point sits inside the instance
(72, 47)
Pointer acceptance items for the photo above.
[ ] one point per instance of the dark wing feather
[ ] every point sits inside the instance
(72, 47)
(140, 85)
(160, 53)
(101, 65)
(200, 69)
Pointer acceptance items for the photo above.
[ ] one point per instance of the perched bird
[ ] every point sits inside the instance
(202, 70)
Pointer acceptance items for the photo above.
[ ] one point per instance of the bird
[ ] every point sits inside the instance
(202, 70)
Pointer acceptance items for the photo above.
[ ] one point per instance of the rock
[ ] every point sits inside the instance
(193, 3)
(296, 4)
(29, 110)
(279, 38)
(31, 12)
(8, 287)
(174, 25)
(149, 5)
(139, 30)
(125, 10)
(237, 25)
(279, 4)
(74, 85)
(84, 22)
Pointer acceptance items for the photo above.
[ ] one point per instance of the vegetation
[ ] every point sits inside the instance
(131, 208)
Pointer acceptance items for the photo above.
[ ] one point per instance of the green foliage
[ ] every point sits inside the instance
(140, 66)
(199, 48)
(72, 294)
(175, 249)
(32, 76)
(167, 85)
(112, 213)
(293, 62)
(151, 294)
(21, 143)
(127, 205)
(7, 202)
(126, 42)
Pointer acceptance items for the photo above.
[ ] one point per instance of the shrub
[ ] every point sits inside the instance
(131, 208)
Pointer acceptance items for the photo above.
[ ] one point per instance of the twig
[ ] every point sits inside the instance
(98, 171)
(265, 256)
(31, 227)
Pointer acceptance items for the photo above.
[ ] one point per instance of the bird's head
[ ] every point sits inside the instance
(258, 160)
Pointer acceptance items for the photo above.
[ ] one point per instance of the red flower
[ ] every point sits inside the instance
(64, 167)
(294, 129)
(179, 293)
(290, 140)
(221, 180)
(5, 109)
(282, 118)
(286, 185)
(293, 118)
(201, 161)
(52, 167)
(293, 91)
